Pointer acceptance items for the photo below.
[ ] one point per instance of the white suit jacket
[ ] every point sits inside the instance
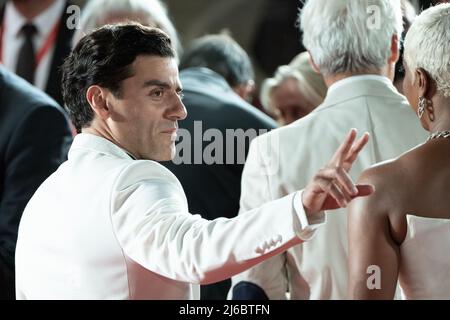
(318, 269)
(105, 226)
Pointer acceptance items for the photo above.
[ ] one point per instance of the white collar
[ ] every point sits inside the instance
(43, 22)
(351, 79)
(98, 144)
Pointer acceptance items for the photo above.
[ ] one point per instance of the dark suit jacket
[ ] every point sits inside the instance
(63, 47)
(214, 190)
(34, 139)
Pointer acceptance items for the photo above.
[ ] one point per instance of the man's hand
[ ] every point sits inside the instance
(332, 187)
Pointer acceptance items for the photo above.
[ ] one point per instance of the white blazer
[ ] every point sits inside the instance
(105, 226)
(318, 269)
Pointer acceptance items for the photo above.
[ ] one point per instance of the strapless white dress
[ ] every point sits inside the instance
(425, 259)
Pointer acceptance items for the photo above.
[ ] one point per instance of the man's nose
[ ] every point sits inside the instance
(179, 110)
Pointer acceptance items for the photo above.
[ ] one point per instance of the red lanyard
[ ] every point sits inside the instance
(49, 41)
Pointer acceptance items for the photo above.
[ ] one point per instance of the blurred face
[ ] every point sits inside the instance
(290, 103)
(143, 120)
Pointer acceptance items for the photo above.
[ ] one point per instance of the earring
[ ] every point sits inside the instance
(421, 107)
(430, 110)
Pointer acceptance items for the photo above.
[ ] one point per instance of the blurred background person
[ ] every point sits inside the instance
(217, 79)
(34, 139)
(35, 39)
(294, 91)
(226, 57)
(152, 13)
(384, 230)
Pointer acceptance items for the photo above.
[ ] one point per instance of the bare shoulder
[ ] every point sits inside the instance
(390, 177)
(387, 206)
(369, 215)
(387, 178)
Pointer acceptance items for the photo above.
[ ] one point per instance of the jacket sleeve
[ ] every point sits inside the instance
(37, 147)
(153, 226)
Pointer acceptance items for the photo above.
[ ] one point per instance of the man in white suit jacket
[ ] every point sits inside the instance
(112, 223)
(358, 64)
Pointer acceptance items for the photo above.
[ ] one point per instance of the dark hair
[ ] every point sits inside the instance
(221, 54)
(104, 58)
(407, 22)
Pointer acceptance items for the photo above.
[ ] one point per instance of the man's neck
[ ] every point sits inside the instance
(32, 8)
(105, 133)
(332, 79)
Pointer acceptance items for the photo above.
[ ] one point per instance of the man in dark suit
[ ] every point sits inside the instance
(217, 78)
(34, 138)
(55, 41)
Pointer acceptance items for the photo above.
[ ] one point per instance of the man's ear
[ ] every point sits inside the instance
(97, 98)
(395, 50)
(313, 64)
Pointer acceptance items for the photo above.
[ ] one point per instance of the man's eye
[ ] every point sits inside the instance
(157, 93)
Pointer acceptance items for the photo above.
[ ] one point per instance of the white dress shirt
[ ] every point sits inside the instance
(105, 226)
(12, 38)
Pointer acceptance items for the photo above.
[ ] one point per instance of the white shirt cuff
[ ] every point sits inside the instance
(309, 225)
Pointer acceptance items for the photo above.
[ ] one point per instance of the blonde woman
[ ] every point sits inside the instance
(294, 91)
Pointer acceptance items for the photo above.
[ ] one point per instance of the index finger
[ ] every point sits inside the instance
(340, 154)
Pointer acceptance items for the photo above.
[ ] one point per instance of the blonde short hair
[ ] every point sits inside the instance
(427, 46)
(310, 83)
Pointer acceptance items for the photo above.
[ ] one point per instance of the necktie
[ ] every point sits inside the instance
(26, 60)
